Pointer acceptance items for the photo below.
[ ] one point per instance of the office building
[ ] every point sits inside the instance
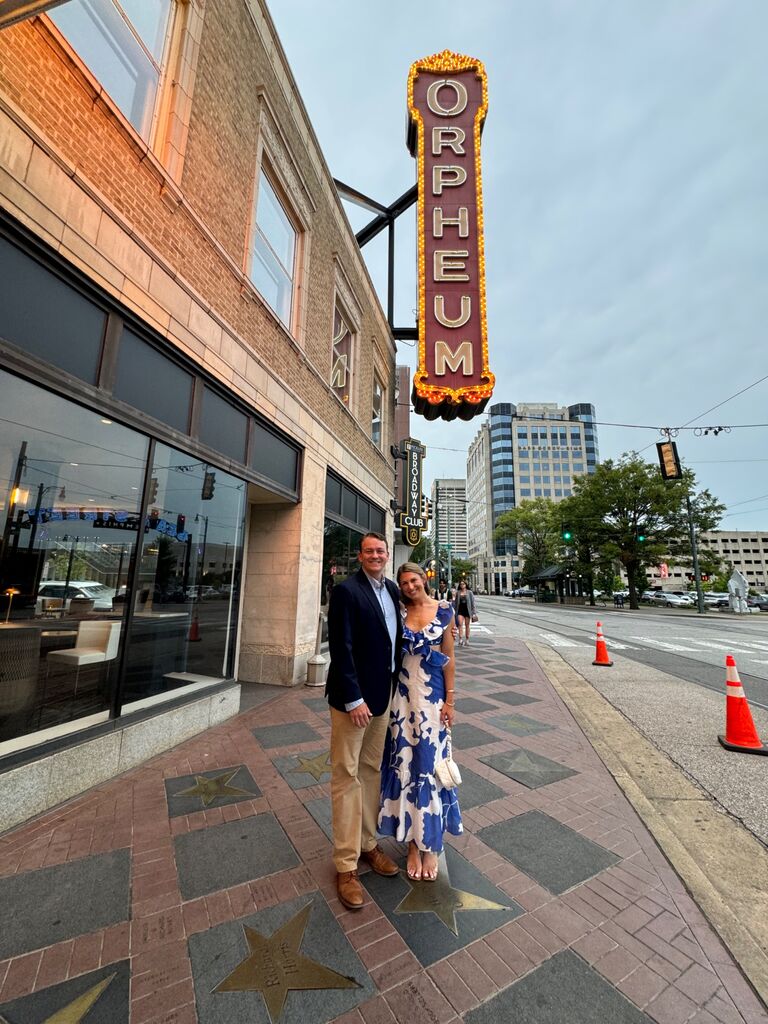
(524, 451)
(449, 515)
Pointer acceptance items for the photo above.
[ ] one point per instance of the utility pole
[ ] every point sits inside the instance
(449, 545)
(695, 555)
(438, 570)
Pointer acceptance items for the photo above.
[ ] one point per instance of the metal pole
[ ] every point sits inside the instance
(438, 570)
(695, 554)
(449, 545)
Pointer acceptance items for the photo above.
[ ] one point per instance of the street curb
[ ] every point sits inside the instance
(723, 866)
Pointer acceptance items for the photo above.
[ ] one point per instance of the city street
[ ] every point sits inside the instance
(668, 679)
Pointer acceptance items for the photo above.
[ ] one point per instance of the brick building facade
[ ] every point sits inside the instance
(200, 218)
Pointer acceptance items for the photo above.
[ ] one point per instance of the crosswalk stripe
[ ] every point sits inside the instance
(662, 643)
(560, 641)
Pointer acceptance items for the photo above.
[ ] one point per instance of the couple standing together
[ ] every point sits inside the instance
(392, 693)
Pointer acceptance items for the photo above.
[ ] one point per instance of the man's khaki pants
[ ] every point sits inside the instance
(355, 785)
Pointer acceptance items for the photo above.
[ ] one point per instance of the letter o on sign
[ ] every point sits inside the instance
(433, 100)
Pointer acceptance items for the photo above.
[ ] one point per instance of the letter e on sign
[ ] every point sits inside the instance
(447, 104)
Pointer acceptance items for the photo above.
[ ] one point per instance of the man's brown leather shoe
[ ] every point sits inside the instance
(349, 889)
(380, 862)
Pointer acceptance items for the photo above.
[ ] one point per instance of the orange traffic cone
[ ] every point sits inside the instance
(601, 651)
(194, 629)
(740, 731)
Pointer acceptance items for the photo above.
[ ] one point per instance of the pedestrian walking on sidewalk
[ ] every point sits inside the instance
(415, 807)
(466, 612)
(364, 635)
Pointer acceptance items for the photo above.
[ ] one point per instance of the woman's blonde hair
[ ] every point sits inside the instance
(411, 567)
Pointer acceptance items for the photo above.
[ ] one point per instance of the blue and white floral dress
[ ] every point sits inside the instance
(414, 805)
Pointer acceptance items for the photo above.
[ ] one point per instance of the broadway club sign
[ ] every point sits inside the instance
(447, 103)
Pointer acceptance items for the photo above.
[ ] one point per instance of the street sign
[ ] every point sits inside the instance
(410, 520)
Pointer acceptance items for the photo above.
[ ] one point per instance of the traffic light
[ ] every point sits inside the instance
(153, 490)
(668, 460)
(641, 537)
(566, 532)
(209, 485)
(181, 524)
(426, 507)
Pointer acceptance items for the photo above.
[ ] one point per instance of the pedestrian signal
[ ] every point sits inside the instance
(668, 460)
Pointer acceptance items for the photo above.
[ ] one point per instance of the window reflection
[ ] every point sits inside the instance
(70, 494)
(188, 578)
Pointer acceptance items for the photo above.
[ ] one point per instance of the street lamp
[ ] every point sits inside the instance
(10, 594)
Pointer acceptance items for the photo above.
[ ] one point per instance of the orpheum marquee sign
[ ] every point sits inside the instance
(447, 103)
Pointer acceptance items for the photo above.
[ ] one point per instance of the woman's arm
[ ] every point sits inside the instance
(449, 675)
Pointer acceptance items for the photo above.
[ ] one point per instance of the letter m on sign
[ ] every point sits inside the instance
(457, 360)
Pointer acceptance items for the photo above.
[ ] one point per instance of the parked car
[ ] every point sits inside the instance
(670, 600)
(100, 594)
(716, 599)
(758, 601)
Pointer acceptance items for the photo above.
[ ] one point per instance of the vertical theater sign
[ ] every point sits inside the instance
(447, 104)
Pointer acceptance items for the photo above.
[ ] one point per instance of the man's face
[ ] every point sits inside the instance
(373, 556)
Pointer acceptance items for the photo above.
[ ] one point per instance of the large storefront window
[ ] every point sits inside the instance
(348, 516)
(184, 625)
(102, 604)
(70, 498)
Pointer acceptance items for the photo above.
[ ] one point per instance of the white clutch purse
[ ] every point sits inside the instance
(447, 771)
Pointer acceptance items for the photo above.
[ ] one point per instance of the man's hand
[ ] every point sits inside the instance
(360, 715)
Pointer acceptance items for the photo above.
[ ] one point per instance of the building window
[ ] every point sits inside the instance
(273, 251)
(123, 44)
(376, 412)
(342, 361)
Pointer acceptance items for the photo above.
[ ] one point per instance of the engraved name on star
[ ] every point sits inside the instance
(274, 966)
(211, 789)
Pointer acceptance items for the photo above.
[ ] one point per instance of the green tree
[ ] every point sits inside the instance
(634, 517)
(535, 524)
(462, 568)
(422, 551)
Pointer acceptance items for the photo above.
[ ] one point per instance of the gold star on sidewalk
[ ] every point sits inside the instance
(77, 1010)
(441, 899)
(210, 789)
(274, 966)
(316, 766)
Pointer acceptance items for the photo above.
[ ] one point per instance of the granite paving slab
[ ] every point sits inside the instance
(471, 706)
(519, 725)
(512, 697)
(552, 854)
(528, 768)
(507, 680)
(563, 990)
(290, 964)
(465, 735)
(99, 997)
(317, 704)
(216, 788)
(475, 791)
(221, 856)
(303, 770)
(284, 735)
(320, 809)
(40, 908)
(437, 918)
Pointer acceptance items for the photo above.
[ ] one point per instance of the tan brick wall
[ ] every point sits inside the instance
(170, 242)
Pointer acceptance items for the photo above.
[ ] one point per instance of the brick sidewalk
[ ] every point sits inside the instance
(136, 903)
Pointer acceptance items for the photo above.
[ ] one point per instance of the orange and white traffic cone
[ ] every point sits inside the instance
(194, 629)
(740, 731)
(601, 651)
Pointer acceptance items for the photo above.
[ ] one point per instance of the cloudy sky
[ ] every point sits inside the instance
(625, 161)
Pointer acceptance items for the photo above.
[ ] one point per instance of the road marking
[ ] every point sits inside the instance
(559, 641)
(712, 645)
(480, 629)
(615, 644)
(661, 643)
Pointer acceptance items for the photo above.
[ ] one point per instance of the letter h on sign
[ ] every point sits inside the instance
(447, 102)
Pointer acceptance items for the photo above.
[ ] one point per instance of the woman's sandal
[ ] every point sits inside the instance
(414, 871)
(429, 874)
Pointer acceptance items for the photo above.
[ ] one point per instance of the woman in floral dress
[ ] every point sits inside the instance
(415, 808)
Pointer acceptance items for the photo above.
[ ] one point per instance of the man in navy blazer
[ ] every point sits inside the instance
(364, 633)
